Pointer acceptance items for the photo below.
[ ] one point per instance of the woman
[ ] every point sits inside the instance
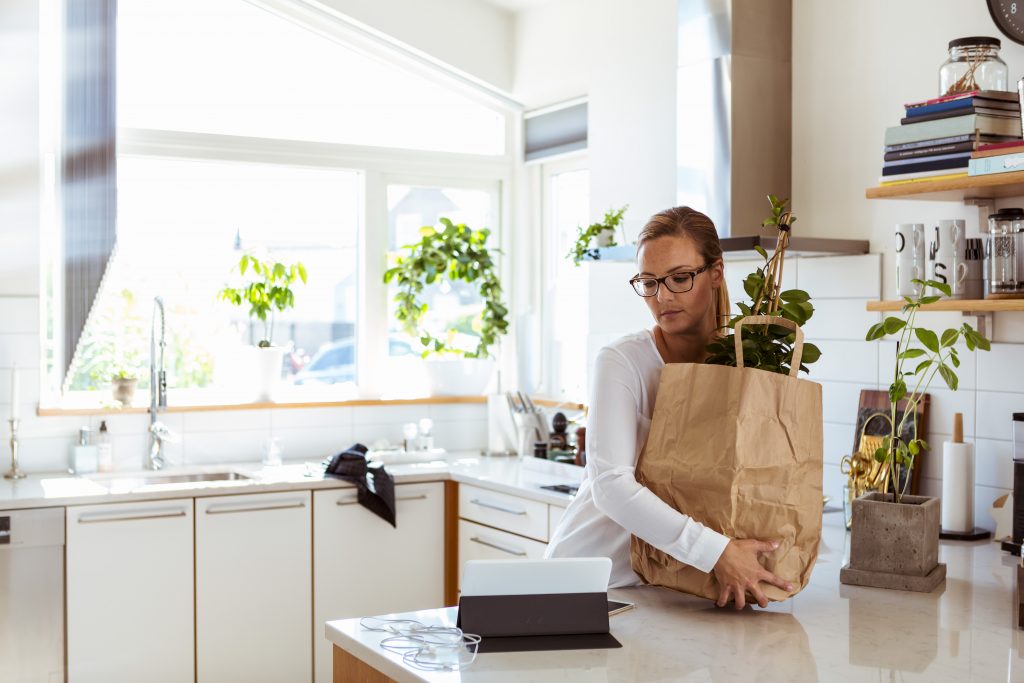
(682, 282)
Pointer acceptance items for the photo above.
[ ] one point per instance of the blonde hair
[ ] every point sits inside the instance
(682, 221)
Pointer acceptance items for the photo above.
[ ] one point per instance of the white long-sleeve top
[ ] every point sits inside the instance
(611, 505)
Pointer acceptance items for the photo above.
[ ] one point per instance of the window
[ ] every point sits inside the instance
(227, 148)
(566, 199)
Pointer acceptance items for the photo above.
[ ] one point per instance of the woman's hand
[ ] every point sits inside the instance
(738, 571)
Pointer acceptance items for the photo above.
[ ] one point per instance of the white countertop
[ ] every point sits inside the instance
(522, 477)
(828, 632)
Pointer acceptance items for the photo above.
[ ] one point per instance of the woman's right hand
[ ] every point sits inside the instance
(738, 572)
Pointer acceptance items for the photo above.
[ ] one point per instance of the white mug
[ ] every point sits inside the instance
(910, 242)
(906, 272)
(949, 236)
(950, 271)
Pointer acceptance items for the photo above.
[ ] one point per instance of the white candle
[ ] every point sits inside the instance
(14, 392)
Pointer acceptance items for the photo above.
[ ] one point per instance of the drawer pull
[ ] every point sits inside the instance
(353, 501)
(97, 517)
(510, 551)
(228, 508)
(499, 508)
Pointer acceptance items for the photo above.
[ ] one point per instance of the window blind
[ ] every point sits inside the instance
(555, 130)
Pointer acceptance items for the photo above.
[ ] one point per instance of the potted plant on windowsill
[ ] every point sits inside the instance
(267, 291)
(596, 235)
(454, 252)
(123, 384)
(895, 537)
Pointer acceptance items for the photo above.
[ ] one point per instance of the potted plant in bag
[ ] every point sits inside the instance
(267, 291)
(454, 252)
(895, 537)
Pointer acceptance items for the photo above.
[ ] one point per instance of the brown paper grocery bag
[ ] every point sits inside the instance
(739, 450)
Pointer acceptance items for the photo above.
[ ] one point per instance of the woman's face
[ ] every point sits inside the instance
(689, 311)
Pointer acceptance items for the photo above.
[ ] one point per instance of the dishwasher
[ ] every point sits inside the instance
(32, 595)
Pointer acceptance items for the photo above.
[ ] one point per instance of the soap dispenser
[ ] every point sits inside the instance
(84, 456)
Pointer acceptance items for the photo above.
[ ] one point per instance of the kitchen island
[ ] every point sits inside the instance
(963, 631)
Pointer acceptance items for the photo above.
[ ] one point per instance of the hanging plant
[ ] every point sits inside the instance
(769, 347)
(584, 236)
(455, 252)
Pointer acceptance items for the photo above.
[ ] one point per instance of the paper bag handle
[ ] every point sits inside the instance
(798, 346)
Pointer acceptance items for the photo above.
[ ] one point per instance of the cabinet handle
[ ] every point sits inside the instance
(353, 501)
(97, 517)
(517, 553)
(500, 508)
(228, 508)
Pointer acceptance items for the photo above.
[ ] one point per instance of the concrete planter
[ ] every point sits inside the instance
(895, 545)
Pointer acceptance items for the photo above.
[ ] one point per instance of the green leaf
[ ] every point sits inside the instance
(948, 376)
(760, 250)
(811, 353)
(914, 447)
(922, 366)
(797, 296)
(876, 331)
(928, 338)
(955, 361)
(880, 454)
(929, 299)
(941, 286)
(897, 390)
(911, 353)
(949, 337)
(244, 264)
(893, 325)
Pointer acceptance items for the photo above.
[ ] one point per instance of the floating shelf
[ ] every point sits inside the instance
(957, 305)
(954, 189)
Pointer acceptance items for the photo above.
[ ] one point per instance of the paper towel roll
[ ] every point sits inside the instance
(957, 487)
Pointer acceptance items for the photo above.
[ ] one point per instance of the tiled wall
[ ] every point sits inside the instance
(991, 384)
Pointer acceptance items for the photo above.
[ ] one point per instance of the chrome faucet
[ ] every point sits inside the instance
(158, 431)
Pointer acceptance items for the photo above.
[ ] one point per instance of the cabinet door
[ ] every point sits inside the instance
(362, 566)
(253, 587)
(478, 542)
(130, 592)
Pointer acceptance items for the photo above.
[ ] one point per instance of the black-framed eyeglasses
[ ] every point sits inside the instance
(679, 283)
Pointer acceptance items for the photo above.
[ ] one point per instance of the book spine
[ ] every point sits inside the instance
(998, 164)
(929, 143)
(929, 151)
(995, 113)
(958, 125)
(939, 165)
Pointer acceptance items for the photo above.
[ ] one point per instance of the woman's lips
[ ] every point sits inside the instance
(669, 314)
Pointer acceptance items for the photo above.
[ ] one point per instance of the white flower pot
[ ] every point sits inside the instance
(269, 361)
(459, 376)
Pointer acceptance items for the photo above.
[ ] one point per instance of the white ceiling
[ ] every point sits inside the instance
(517, 5)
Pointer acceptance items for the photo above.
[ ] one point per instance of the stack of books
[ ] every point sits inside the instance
(936, 138)
(1000, 157)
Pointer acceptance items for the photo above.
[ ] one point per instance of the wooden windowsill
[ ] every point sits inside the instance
(55, 411)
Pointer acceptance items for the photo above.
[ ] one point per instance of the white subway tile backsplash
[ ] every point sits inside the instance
(331, 417)
(47, 454)
(839, 401)
(1009, 328)
(838, 441)
(28, 385)
(833, 481)
(19, 314)
(21, 348)
(227, 420)
(458, 412)
(846, 361)
(313, 443)
(994, 416)
(227, 446)
(841, 277)
(468, 435)
(1002, 368)
(370, 433)
(19, 243)
(379, 415)
(944, 403)
(993, 463)
(984, 496)
(840, 319)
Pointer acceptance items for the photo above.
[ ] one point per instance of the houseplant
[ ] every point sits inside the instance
(895, 537)
(123, 384)
(453, 252)
(769, 347)
(267, 291)
(603, 232)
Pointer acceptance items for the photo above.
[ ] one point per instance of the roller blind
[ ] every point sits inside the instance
(88, 185)
(556, 130)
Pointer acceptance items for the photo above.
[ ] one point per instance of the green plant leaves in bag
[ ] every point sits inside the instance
(928, 338)
(948, 376)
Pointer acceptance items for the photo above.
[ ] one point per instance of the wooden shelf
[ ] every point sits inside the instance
(958, 305)
(954, 189)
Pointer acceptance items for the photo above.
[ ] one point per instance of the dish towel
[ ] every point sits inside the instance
(376, 487)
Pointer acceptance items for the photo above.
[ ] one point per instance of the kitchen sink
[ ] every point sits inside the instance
(178, 480)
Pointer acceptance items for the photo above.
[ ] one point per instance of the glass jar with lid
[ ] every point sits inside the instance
(1001, 249)
(973, 64)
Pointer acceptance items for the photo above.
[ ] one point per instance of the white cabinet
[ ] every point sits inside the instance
(363, 566)
(478, 542)
(504, 511)
(130, 592)
(253, 587)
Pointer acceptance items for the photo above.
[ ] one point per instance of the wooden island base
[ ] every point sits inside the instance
(350, 669)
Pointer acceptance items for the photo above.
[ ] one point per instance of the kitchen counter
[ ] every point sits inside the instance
(521, 477)
(828, 632)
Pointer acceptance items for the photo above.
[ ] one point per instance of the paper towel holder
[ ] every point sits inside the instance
(976, 534)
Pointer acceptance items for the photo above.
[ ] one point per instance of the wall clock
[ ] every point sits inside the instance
(1009, 17)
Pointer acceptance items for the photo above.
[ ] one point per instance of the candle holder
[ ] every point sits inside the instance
(15, 472)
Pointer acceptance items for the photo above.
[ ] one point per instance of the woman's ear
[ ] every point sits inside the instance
(717, 273)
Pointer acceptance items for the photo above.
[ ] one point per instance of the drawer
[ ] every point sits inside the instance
(555, 514)
(503, 511)
(477, 542)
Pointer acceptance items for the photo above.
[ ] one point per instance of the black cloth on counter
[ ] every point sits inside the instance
(376, 487)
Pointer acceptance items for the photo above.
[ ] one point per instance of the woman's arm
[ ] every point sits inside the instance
(612, 432)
